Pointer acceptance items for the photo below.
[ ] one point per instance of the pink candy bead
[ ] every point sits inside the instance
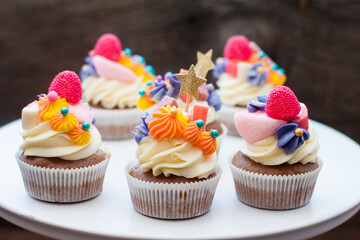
(52, 96)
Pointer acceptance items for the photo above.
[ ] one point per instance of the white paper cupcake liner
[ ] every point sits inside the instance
(226, 115)
(274, 192)
(221, 137)
(117, 123)
(172, 200)
(63, 185)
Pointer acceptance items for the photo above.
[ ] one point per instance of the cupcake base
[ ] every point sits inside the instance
(114, 124)
(170, 198)
(61, 181)
(226, 116)
(273, 187)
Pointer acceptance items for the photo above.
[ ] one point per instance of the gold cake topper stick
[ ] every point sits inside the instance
(204, 63)
(190, 84)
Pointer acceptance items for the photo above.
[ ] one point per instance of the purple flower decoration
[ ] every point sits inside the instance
(220, 67)
(175, 86)
(257, 75)
(142, 130)
(213, 99)
(88, 70)
(290, 137)
(159, 91)
(260, 105)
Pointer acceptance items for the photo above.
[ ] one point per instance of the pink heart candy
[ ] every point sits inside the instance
(254, 127)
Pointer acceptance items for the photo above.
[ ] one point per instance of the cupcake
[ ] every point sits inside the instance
(207, 102)
(112, 78)
(243, 73)
(277, 165)
(176, 173)
(61, 159)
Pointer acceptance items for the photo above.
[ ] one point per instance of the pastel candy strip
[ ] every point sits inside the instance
(231, 68)
(303, 117)
(200, 112)
(254, 127)
(183, 71)
(203, 92)
(163, 103)
(112, 70)
(81, 112)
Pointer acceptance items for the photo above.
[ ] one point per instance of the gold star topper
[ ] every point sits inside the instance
(204, 63)
(190, 82)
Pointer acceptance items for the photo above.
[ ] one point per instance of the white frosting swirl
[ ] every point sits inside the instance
(42, 141)
(111, 93)
(268, 153)
(176, 157)
(238, 91)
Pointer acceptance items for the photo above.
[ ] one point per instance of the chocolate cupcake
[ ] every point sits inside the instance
(277, 165)
(176, 173)
(243, 73)
(112, 78)
(60, 158)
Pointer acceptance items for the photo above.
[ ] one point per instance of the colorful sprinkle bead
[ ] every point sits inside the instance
(142, 92)
(127, 51)
(274, 66)
(150, 69)
(138, 58)
(262, 54)
(52, 96)
(167, 75)
(281, 70)
(214, 133)
(159, 77)
(64, 111)
(86, 126)
(200, 123)
(149, 83)
(299, 132)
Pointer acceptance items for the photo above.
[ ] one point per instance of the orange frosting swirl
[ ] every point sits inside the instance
(48, 109)
(168, 123)
(207, 143)
(60, 122)
(192, 133)
(80, 136)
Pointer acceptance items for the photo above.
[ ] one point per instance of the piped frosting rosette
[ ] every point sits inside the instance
(243, 73)
(170, 144)
(58, 125)
(276, 131)
(112, 78)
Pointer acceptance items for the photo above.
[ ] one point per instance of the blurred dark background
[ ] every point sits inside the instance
(316, 42)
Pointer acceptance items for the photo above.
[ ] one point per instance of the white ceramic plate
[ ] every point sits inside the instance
(111, 215)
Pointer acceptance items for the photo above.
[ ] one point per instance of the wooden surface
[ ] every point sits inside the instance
(316, 42)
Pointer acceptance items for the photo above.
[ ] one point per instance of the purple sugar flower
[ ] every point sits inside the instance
(220, 67)
(88, 70)
(260, 105)
(142, 130)
(257, 75)
(290, 137)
